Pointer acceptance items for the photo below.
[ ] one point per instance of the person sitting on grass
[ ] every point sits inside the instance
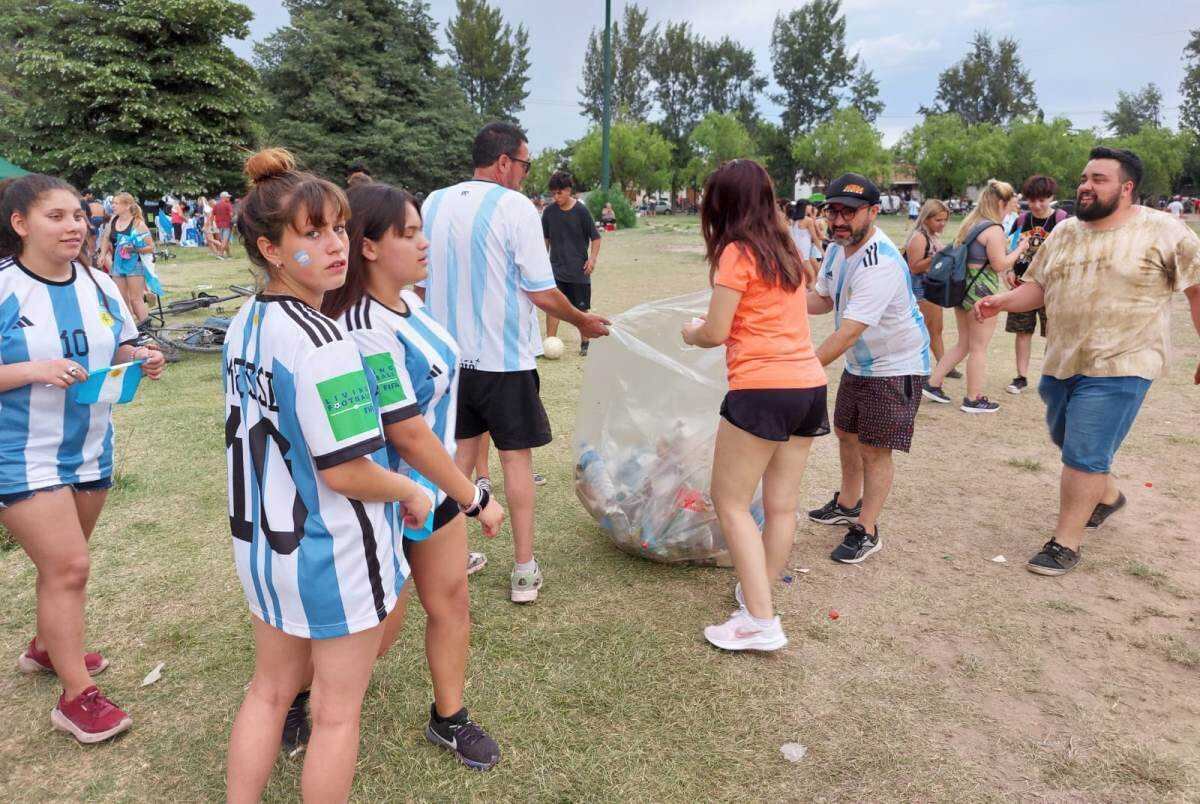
(1106, 279)
(56, 455)
(416, 363)
(776, 401)
(311, 500)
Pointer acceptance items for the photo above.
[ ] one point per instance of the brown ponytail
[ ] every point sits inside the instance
(20, 195)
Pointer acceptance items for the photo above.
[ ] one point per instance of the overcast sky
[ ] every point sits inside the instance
(1080, 52)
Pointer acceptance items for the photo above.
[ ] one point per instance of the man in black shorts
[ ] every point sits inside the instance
(574, 245)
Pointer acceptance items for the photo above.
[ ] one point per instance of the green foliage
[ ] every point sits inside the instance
(626, 216)
(989, 85)
(775, 147)
(949, 155)
(715, 140)
(1052, 149)
(864, 95)
(729, 81)
(811, 63)
(1163, 153)
(544, 165)
(844, 143)
(1134, 111)
(1189, 88)
(640, 158)
(136, 95)
(632, 42)
(676, 75)
(490, 59)
(357, 80)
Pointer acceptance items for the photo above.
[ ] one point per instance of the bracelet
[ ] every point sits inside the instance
(482, 498)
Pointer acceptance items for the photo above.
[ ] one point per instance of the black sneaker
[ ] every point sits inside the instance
(1103, 512)
(954, 374)
(296, 726)
(934, 393)
(1018, 385)
(466, 738)
(583, 347)
(1054, 559)
(834, 513)
(980, 405)
(856, 545)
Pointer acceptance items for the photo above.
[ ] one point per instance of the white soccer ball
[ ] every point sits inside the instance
(553, 347)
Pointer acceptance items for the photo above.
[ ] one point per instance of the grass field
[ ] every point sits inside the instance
(947, 677)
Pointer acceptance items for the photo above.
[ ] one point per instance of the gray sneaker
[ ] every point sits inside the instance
(475, 562)
(524, 586)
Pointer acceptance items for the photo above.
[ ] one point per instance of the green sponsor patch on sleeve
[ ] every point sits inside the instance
(391, 390)
(348, 405)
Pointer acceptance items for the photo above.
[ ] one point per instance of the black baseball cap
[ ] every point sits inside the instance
(852, 190)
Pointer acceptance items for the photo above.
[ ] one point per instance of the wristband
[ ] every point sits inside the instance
(482, 498)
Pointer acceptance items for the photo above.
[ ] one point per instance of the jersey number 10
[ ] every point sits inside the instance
(283, 542)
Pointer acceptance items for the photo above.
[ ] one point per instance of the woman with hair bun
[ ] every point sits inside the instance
(312, 504)
(59, 320)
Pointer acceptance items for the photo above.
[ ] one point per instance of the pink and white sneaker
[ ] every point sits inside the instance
(38, 661)
(740, 632)
(90, 718)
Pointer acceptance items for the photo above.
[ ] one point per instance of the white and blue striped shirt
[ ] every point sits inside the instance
(46, 438)
(486, 253)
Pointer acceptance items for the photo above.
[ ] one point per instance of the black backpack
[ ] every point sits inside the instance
(946, 282)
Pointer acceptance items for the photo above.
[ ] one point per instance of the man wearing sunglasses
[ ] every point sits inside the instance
(879, 328)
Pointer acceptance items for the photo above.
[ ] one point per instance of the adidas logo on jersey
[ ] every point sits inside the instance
(434, 372)
(23, 322)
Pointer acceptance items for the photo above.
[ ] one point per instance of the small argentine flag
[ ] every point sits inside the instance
(113, 385)
(1014, 240)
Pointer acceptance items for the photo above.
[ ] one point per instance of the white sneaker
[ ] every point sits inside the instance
(739, 632)
(475, 562)
(737, 595)
(524, 586)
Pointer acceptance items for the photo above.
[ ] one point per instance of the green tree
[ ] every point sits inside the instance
(729, 80)
(845, 142)
(133, 95)
(357, 80)
(1052, 149)
(1163, 153)
(811, 63)
(490, 59)
(543, 166)
(715, 140)
(1134, 111)
(950, 156)
(675, 69)
(775, 147)
(641, 158)
(1189, 88)
(989, 85)
(864, 95)
(632, 43)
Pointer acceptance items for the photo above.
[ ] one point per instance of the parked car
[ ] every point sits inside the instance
(662, 208)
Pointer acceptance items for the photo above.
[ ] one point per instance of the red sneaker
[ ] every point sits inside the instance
(90, 718)
(38, 661)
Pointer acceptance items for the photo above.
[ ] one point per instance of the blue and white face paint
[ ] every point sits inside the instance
(302, 258)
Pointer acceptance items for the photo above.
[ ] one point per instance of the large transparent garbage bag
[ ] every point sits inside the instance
(644, 438)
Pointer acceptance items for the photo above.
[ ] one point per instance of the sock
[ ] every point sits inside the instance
(527, 566)
(767, 623)
(459, 715)
(301, 699)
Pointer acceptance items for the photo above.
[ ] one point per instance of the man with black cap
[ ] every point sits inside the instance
(878, 326)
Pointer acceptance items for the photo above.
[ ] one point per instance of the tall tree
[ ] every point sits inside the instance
(675, 70)
(950, 156)
(989, 85)
(864, 95)
(1189, 88)
(715, 140)
(132, 95)
(729, 81)
(633, 40)
(844, 142)
(490, 58)
(775, 146)
(811, 63)
(641, 158)
(1053, 149)
(357, 80)
(1135, 111)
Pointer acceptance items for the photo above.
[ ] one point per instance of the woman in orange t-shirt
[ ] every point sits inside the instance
(776, 400)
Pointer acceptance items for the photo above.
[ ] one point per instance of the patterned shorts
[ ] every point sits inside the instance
(880, 410)
(1026, 323)
(987, 284)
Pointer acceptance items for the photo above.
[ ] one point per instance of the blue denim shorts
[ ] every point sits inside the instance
(1089, 417)
(103, 484)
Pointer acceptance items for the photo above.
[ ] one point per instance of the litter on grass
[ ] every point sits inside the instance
(793, 752)
(1000, 560)
(154, 675)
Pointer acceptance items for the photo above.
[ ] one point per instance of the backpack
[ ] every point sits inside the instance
(946, 282)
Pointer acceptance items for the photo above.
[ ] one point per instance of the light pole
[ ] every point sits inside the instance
(605, 165)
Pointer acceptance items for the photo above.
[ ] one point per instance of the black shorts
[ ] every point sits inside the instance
(1026, 323)
(880, 410)
(506, 404)
(777, 414)
(579, 294)
(443, 515)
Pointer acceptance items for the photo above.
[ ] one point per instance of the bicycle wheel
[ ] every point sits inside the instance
(195, 337)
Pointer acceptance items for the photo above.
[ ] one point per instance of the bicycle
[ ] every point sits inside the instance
(204, 337)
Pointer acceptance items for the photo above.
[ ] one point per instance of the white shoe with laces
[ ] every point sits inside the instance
(740, 632)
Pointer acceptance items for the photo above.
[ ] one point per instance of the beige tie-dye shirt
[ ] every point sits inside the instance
(1108, 294)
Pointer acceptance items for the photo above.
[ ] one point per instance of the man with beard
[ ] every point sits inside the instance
(865, 282)
(1106, 279)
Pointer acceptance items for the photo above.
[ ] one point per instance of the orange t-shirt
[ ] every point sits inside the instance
(769, 344)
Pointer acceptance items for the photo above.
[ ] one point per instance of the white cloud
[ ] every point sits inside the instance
(893, 50)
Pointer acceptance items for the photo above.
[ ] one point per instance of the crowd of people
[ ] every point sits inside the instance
(395, 338)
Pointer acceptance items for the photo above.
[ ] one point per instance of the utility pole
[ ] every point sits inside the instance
(605, 164)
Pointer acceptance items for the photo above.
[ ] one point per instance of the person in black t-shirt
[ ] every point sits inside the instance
(574, 245)
(1034, 226)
